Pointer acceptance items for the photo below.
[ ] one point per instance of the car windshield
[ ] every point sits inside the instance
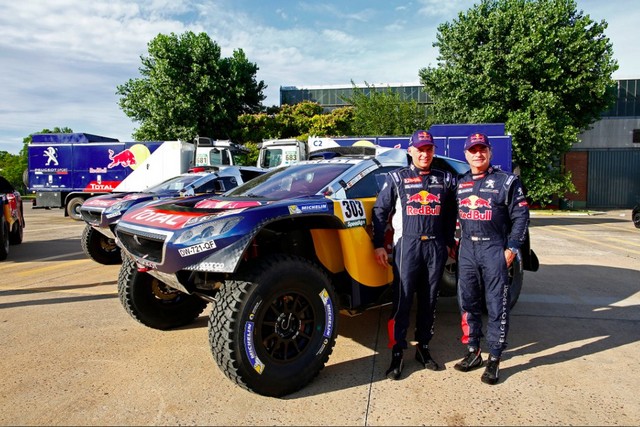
(174, 184)
(293, 181)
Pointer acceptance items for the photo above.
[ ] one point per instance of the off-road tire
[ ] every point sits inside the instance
(4, 238)
(73, 208)
(516, 278)
(100, 248)
(272, 330)
(16, 235)
(153, 303)
(635, 216)
(448, 283)
(449, 280)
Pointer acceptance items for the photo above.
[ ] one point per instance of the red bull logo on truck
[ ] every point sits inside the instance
(473, 203)
(129, 157)
(425, 200)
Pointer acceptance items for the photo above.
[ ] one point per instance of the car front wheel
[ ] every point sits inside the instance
(273, 331)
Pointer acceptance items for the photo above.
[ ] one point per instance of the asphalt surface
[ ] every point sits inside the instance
(71, 355)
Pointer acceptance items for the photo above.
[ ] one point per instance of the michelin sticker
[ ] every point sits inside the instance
(353, 213)
(316, 207)
(250, 350)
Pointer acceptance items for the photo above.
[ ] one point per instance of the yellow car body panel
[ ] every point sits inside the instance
(351, 248)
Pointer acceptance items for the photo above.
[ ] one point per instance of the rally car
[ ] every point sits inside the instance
(635, 215)
(12, 222)
(102, 213)
(278, 257)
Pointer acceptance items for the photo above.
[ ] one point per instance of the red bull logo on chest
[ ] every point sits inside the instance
(425, 200)
(472, 204)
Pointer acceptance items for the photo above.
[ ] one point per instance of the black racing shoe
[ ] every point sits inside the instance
(395, 369)
(490, 375)
(471, 361)
(424, 358)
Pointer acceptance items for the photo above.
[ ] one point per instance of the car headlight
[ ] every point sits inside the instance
(118, 207)
(208, 230)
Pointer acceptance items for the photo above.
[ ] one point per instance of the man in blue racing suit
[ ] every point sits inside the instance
(420, 202)
(494, 218)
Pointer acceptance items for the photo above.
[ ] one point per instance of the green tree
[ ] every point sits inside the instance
(339, 122)
(539, 66)
(188, 89)
(385, 112)
(13, 167)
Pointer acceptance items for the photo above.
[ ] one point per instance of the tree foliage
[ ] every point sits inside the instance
(539, 66)
(295, 121)
(187, 89)
(385, 112)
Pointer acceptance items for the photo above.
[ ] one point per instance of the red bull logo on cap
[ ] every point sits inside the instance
(424, 199)
(473, 203)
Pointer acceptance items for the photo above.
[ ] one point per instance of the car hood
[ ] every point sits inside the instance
(105, 200)
(178, 214)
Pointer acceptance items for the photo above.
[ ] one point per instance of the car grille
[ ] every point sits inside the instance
(142, 244)
(92, 217)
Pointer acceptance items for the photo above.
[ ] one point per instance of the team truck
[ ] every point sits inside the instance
(65, 169)
(282, 152)
(449, 142)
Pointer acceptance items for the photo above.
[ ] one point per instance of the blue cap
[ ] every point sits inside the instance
(420, 138)
(476, 139)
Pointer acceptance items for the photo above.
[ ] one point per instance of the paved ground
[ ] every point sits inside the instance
(70, 355)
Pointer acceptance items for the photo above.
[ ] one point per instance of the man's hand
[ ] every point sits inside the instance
(382, 258)
(509, 257)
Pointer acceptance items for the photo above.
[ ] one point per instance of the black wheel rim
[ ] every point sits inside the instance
(286, 327)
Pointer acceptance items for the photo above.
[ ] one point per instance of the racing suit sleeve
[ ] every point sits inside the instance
(518, 212)
(382, 210)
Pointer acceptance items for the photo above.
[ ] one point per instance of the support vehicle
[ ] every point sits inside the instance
(12, 219)
(102, 213)
(278, 257)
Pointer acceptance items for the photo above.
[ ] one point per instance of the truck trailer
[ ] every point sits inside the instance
(65, 169)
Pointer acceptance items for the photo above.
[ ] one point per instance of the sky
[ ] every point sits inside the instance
(62, 60)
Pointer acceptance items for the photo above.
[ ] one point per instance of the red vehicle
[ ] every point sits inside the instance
(12, 222)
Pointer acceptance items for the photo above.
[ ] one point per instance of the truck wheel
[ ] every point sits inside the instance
(73, 208)
(16, 235)
(153, 303)
(100, 248)
(273, 331)
(4, 239)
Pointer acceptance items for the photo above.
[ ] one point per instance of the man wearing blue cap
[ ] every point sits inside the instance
(420, 202)
(494, 218)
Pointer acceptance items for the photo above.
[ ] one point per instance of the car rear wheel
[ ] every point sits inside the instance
(273, 331)
(448, 283)
(4, 239)
(16, 235)
(153, 303)
(100, 248)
